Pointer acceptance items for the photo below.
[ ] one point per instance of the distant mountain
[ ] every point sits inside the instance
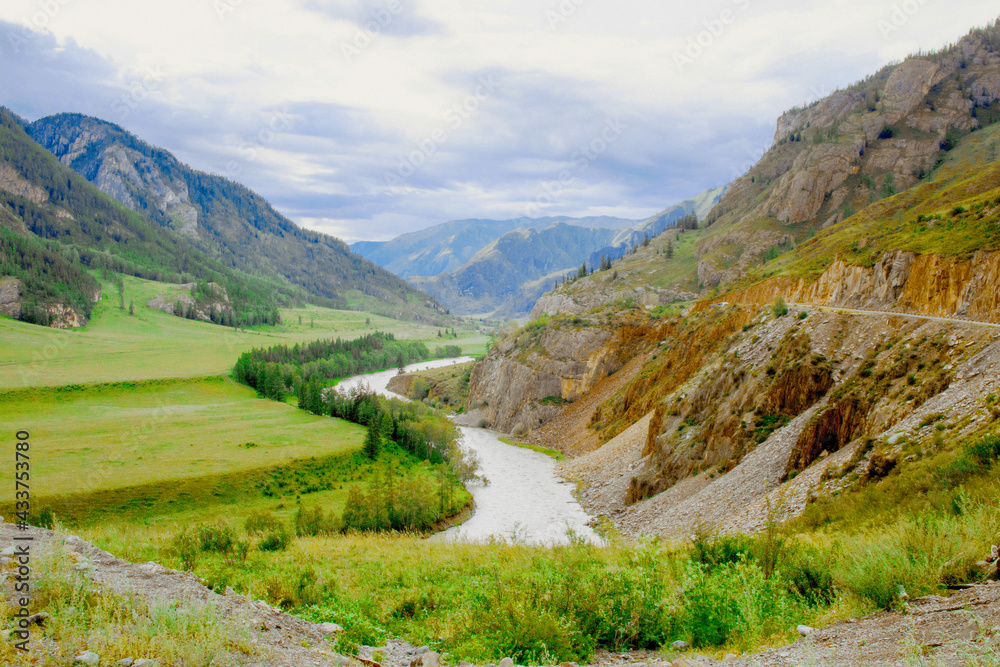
(224, 219)
(505, 277)
(445, 247)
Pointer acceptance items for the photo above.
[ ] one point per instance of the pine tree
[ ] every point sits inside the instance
(373, 440)
(670, 249)
(131, 308)
(582, 271)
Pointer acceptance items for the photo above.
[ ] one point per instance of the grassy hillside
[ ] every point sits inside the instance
(88, 230)
(226, 220)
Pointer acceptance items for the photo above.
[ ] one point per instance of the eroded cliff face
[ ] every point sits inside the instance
(529, 374)
(900, 281)
(800, 390)
(879, 136)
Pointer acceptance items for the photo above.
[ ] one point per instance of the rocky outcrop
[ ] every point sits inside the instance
(181, 301)
(12, 182)
(879, 136)
(133, 179)
(559, 365)
(10, 297)
(900, 281)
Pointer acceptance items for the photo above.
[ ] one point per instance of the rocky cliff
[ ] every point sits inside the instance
(899, 281)
(530, 373)
(879, 136)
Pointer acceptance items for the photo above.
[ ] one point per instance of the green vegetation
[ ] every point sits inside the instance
(445, 388)
(304, 370)
(100, 233)
(151, 344)
(554, 453)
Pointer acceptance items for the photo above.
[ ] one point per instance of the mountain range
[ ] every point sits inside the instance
(499, 268)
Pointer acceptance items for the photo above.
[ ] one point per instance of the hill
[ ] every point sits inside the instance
(225, 220)
(834, 375)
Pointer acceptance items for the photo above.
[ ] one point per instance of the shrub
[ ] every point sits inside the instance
(259, 522)
(218, 538)
(276, 539)
(779, 307)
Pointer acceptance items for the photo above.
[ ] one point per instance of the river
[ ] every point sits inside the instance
(525, 500)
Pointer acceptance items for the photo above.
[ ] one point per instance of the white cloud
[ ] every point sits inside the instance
(369, 84)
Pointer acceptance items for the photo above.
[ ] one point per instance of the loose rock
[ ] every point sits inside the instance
(88, 658)
(680, 644)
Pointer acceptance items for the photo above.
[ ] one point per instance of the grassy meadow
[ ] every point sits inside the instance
(117, 347)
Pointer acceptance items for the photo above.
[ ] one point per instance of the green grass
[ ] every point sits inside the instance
(115, 347)
(554, 453)
(98, 437)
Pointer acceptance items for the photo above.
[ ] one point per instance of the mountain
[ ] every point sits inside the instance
(505, 278)
(56, 229)
(844, 377)
(880, 136)
(698, 206)
(445, 247)
(224, 219)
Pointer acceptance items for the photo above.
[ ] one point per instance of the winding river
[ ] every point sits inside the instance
(525, 500)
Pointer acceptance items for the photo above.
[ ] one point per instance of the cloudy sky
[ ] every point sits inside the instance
(369, 118)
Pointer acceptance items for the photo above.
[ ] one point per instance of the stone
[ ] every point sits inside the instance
(680, 644)
(230, 591)
(143, 662)
(730, 657)
(804, 630)
(125, 662)
(88, 658)
(330, 628)
(969, 633)
(9, 551)
(421, 650)
(428, 659)
(507, 662)
(38, 619)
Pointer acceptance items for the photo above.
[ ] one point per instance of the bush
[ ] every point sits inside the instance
(259, 522)
(276, 539)
(310, 523)
(219, 538)
(779, 307)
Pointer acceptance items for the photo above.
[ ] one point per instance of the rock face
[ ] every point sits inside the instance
(561, 364)
(879, 136)
(899, 281)
(10, 297)
(132, 178)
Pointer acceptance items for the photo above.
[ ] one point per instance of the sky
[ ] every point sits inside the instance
(367, 119)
